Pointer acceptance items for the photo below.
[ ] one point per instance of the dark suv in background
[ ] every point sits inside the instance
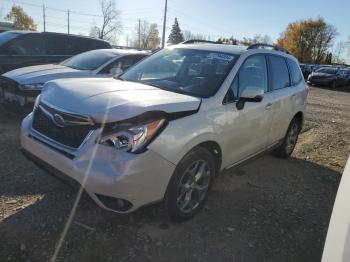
(26, 48)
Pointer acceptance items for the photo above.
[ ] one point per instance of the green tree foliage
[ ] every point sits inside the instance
(176, 35)
(20, 19)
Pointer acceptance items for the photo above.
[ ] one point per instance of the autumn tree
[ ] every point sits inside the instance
(20, 19)
(147, 35)
(111, 22)
(309, 40)
(176, 35)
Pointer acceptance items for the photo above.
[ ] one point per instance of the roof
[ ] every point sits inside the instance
(119, 51)
(232, 49)
(54, 33)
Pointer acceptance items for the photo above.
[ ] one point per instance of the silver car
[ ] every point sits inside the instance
(21, 86)
(169, 125)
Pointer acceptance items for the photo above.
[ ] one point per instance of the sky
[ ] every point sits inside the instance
(237, 18)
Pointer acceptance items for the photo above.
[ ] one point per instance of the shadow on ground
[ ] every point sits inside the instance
(268, 210)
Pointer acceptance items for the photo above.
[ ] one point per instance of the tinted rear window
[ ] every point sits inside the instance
(29, 44)
(279, 72)
(295, 74)
(56, 44)
(7, 36)
(77, 45)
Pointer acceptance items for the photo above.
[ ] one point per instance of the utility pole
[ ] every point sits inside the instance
(44, 18)
(68, 22)
(139, 33)
(164, 23)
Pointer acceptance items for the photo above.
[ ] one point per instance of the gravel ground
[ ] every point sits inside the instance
(267, 210)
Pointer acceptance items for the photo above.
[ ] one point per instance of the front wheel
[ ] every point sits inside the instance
(290, 140)
(190, 184)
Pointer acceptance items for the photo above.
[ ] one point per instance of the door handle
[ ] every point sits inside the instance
(268, 106)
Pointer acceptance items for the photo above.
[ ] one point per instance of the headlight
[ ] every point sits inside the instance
(134, 139)
(32, 87)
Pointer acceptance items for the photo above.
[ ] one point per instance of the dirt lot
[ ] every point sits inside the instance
(267, 210)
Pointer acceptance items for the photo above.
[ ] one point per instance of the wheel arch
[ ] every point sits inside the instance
(299, 116)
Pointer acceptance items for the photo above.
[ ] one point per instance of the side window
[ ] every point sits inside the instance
(56, 44)
(279, 72)
(295, 74)
(122, 63)
(253, 72)
(77, 45)
(30, 44)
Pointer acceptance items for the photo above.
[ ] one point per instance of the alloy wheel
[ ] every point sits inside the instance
(193, 186)
(292, 137)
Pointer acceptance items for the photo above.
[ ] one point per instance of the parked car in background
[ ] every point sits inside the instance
(327, 76)
(169, 125)
(346, 74)
(20, 87)
(337, 246)
(306, 69)
(26, 48)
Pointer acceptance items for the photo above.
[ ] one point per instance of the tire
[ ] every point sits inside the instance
(188, 187)
(289, 141)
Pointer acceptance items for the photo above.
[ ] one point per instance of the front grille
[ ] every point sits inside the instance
(69, 135)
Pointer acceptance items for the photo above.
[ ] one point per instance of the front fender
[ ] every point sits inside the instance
(183, 134)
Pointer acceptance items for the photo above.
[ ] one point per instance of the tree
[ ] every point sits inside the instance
(188, 35)
(148, 34)
(309, 40)
(339, 53)
(111, 23)
(261, 39)
(227, 41)
(20, 19)
(176, 35)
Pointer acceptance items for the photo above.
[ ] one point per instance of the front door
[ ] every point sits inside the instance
(247, 130)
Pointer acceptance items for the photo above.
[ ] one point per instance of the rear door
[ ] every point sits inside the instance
(287, 84)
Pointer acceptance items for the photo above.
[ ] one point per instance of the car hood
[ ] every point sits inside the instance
(112, 100)
(43, 73)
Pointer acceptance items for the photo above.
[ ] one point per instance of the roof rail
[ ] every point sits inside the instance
(193, 41)
(273, 47)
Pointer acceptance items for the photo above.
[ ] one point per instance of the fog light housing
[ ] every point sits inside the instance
(117, 204)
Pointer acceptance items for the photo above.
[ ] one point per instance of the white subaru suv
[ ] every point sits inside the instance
(167, 127)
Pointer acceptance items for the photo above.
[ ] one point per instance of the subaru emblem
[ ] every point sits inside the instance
(58, 120)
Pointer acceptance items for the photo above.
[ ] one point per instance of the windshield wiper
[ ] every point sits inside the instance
(151, 84)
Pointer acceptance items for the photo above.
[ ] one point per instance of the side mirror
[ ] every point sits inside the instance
(250, 94)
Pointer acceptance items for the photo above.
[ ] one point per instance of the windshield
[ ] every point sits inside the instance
(89, 60)
(327, 70)
(7, 36)
(193, 72)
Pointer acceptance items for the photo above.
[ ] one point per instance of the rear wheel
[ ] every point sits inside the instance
(290, 140)
(190, 184)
